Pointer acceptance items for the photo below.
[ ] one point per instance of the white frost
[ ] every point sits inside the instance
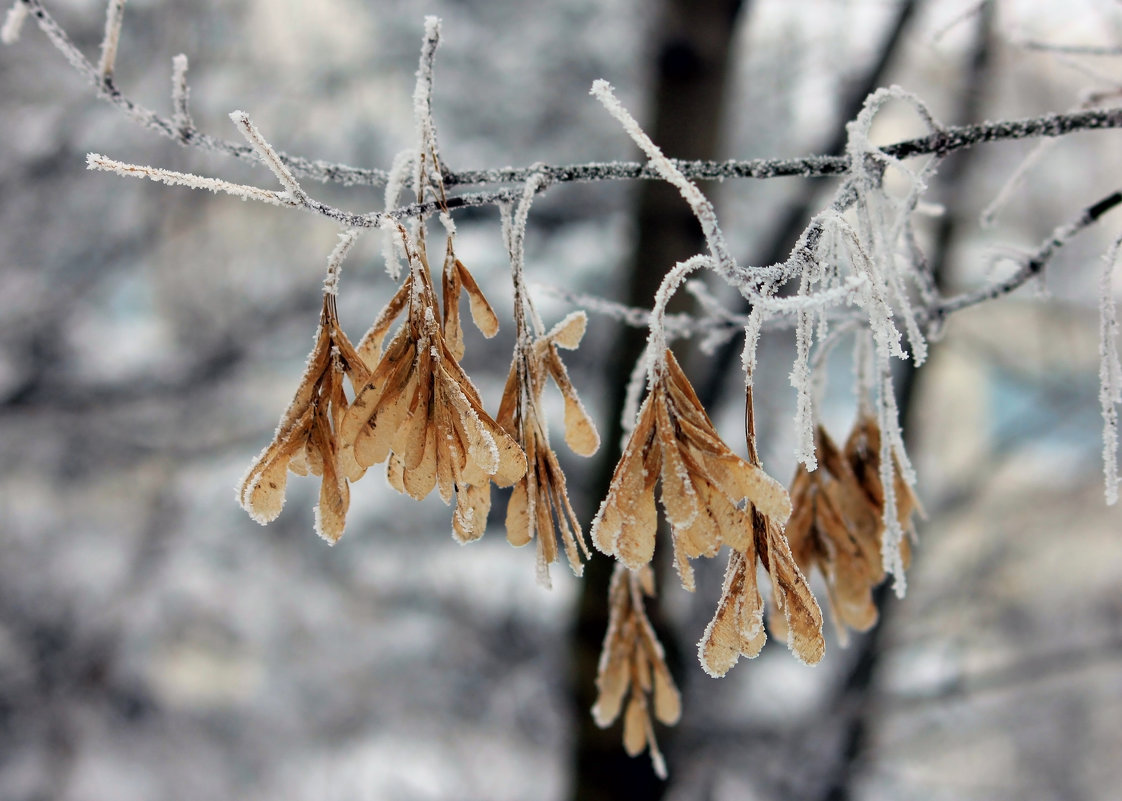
(1110, 372)
(13, 22)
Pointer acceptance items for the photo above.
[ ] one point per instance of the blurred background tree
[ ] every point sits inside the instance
(155, 643)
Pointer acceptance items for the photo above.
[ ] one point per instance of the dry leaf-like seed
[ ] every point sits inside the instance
(306, 440)
(539, 506)
(703, 483)
(737, 627)
(456, 279)
(837, 527)
(420, 410)
(838, 522)
(633, 668)
(862, 449)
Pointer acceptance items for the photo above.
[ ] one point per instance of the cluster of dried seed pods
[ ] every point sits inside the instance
(708, 492)
(837, 525)
(413, 407)
(539, 505)
(711, 497)
(420, 411)
(633, 668)
(306, 441)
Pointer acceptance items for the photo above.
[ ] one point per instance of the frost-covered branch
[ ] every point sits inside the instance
(180, 95)
(941, 144)
(1029, 267)
(95, 161)
(146, 118)
(114, 17)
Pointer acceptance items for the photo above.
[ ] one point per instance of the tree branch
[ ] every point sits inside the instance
(1031, 266)
(939, 144)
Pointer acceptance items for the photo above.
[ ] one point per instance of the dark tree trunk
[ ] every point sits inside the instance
(692, 55)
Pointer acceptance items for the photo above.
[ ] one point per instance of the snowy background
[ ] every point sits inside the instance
(157, 644)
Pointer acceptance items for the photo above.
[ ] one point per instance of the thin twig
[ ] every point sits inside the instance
(1031, 266)
(180, 96)
(114, 16)
(1073, 49)
(95, 161)
(146, 118)
(942, 143)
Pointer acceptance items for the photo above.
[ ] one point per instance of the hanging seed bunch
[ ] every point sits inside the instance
(411, 405)
(737, 627)
(838, 523)
(419, 411)
(539, 507)
(307, 438)
(633, 668)
(703, 483)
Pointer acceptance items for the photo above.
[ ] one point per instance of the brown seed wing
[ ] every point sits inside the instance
(506, 463)
(518, 531)
(719, 648)
(800, 609)
(420, 479)
(627, 482)
(680, 501)
(391, 373)
(442, 435)
(469, 520)
(372, 443)
(569, 332)
(369, 348)
(635, 725)
(547, 538)
(509, 416)
(739, 479)
(636, 543)
(410, 440)
(580, 432)
(262, 491)
(683, 398)
(453, 330)
(334, 492)
(481, 448)
(481, 312)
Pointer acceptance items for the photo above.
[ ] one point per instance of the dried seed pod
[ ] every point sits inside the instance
(307, 438)
(539, 507)
(737, 627)
(633, 668)
(703, 482)
(838, 522)
(420, 410)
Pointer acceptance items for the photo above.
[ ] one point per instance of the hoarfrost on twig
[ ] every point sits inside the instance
(114, 16)
(395, 184)
(1110, 372)
(269, 156)
(702, 208)
(96, 161)
(13, 23)
(422, 108)
(180, 95)
(347, 240)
